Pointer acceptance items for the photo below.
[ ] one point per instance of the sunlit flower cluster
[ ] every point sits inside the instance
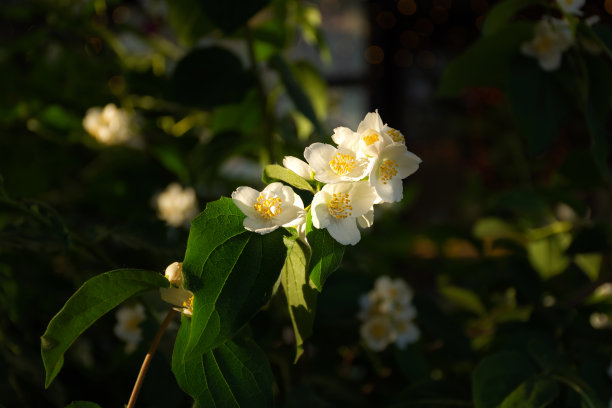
(180, 298)
(387, 314)
(109, 125)
(366, 167)
(177, 205)
(127, 327)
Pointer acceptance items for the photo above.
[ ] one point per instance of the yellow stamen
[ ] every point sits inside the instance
(371, 139)
(340, 206)
(387, 170)
(396, 136)
(188, 304)
(342, 164)
(268, 207)
(378, 331)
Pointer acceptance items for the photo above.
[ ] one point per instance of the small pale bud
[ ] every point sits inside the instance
(174, 273)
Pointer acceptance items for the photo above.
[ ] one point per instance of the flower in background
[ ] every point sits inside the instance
(277, 205)
(388, 315)
(110, 126)
(177, 205)
(571, 6)
(299, 167)
(128, 325)
(337, 207)
(552, 38)
(174, 274)
(181, 298)
(335, 165)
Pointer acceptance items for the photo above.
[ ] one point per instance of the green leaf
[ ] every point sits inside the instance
(230, 16)
(188, 20)
(82, 404)
(172, 159)
(276, 172)
(326, 255)
(463, 298)
(547, 254)
(313, 84)
(486, 62)
(537, 392)
(96, 297)
(590, 264)
(235, 374)
(295, 90)
(497, 375)
(413, 363)
(209, 77)
(300, 291)
(502, 13)
(230, 271)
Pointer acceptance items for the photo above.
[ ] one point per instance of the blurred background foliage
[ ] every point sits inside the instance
(504, 233)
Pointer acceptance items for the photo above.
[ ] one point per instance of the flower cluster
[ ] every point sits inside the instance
(128, 325)
(181, 298)
(366, 167)
(177, 205)
(554, 36)
(110, 125)
(387, 314)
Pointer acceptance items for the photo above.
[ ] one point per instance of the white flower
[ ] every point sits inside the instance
(277, 205)
(406, 332)
(335, 165)
(377, 332)
(174, 274)
(177, 205)
(571, 6)
(394, 294)
(299, 167)
(370, 138)
(179, 297)
(552, 38)
(393, 164)
(337, 207)
(110, 125)
(127, 327)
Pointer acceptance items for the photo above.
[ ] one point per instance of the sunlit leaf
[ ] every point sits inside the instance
(275, 172)
(547, 254)
(95, 298)
(590, 264)
(230, 271)
(537, 392)
(326, 255)
(300, 291)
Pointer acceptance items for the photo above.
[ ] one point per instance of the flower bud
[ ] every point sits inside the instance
(174, 273)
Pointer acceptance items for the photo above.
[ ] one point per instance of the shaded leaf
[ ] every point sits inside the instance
(497, 375)
(82, 404)
(502, 13)
(300, 291)
(230, 16)
(91, 301)
(547, 255)
(326, 255)
(590, 264)
(230, 271)
(276, 172)
(188, 20)
(598, 107)
(463, 298)
(537, 392)
(486, 62)
(196, 79)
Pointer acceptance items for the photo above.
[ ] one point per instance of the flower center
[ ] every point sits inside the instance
(371, 139)
(188, 304)
(378, 331)
(387, 170)
(268, 206)
(545, 43)
(340, 205)
(342, 164)
(132, 323)
(396, 136)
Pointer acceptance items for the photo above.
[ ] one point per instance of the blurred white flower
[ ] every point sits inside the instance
(571, 6)
(177, 205)
(128, 325)
(299, 167)
(338, 206)
(174, 274)
(378, 332)
(181, 298)
(393, 164)
(335, 165)
(388, 314)
(110, 126)
(552, 38)
(277, 205)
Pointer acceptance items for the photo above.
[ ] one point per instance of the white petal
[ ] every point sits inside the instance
(371, 121)
(259, 225)
(362, 197)
(318, 209)
(344, 136)
(410, 335)
(550, 61)
(245, 197)
(299, 167)
(344, 231)
(318, 155)
(367, 219)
